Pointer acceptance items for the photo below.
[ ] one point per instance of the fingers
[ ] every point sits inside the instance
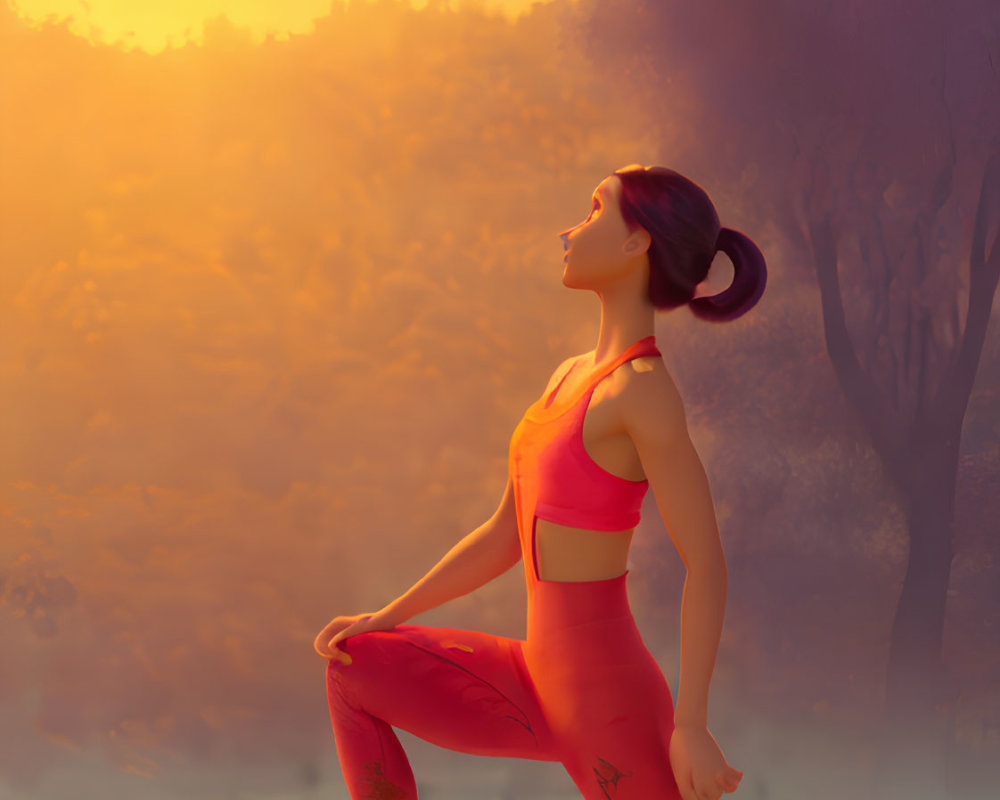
(712, 792)
(332, 624)
(338, 629)
(326, 643)
(333, 653)
(330, 650)
(688, 792)
(709, 792)
(726, 781)
(339, 654)
(330, 653)
(729, 780)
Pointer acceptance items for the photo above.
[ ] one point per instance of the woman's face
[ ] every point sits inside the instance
(601, 247)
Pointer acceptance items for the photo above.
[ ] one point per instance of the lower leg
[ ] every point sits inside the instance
(371, 757)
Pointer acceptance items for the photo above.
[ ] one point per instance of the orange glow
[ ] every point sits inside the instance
(269, 313)
(156, 25)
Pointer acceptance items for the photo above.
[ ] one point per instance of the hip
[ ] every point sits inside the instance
(598, 675)
(584, 629)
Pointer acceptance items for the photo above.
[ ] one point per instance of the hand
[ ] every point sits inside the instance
(340, 628)
(701, 771)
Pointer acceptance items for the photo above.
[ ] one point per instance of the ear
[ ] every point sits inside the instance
(638, 242)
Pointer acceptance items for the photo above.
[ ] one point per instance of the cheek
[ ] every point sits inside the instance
(590, 234)
(593, 243)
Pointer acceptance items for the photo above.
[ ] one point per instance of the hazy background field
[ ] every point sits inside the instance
(277, 282)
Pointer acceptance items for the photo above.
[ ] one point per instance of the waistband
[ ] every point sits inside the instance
(564, 604)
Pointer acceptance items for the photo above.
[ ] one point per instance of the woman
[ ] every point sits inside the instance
(581, 689)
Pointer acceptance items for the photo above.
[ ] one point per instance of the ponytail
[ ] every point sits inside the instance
(749, 280)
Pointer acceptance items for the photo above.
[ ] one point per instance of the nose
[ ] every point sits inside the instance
(565, 238)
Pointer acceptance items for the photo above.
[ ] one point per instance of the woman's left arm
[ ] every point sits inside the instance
(653, 415)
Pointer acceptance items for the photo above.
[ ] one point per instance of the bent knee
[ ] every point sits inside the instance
(365, 649)
(372, 658)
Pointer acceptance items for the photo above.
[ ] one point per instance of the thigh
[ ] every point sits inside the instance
(462, 690)
(635, 766)
(614, 725)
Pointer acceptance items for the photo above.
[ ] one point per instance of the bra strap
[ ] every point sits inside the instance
(646, 346)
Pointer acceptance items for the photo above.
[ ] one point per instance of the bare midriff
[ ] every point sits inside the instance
(566, 553)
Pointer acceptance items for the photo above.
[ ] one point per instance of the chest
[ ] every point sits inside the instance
(603, 433)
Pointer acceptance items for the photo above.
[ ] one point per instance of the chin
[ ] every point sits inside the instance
(570, 275)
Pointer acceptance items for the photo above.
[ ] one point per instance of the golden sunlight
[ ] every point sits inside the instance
(155, 25)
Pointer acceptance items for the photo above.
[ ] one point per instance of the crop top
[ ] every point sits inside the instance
(551, 467)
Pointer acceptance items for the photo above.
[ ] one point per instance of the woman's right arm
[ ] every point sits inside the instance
(486, 553)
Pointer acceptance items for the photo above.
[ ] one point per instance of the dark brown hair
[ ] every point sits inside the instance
(685, 235)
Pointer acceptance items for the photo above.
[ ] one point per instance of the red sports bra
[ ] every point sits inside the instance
(550, 465)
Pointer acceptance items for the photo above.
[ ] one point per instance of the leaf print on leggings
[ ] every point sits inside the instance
(382, 787)
(608, 775)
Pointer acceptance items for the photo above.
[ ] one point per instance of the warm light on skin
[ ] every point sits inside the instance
(602, 252)
(155, 25)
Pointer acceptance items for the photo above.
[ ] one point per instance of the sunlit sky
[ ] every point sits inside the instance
(155, 25)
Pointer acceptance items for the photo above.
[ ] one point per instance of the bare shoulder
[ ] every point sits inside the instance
(651, 404)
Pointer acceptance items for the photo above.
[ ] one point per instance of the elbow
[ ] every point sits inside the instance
(711, 567)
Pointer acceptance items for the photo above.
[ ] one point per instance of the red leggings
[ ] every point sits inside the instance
(582, 690)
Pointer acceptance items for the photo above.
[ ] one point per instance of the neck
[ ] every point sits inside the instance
(626, 317)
